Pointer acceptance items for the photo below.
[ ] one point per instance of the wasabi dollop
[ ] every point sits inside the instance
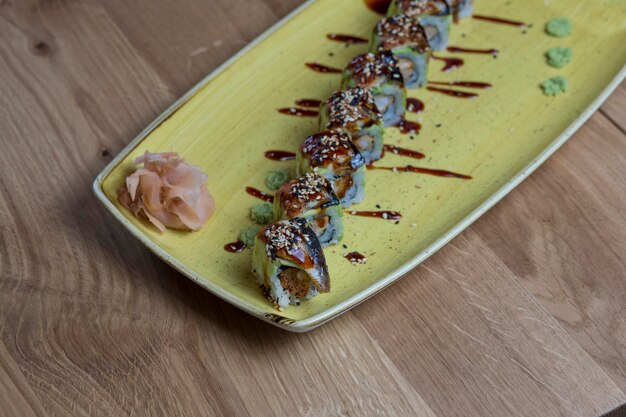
(559, 27)
(559, 57)
(276, 179)
(262, 213)
(555, 86)
(247, 235)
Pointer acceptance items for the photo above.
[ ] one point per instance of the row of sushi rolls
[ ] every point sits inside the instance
(287, 256)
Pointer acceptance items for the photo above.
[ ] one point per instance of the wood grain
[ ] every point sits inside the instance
(521, 315)
(571, 254)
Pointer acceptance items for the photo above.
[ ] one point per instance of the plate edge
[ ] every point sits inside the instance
(317, 320)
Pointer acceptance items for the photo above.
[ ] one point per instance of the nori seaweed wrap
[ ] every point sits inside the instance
(289, 263)
(332, 154)
(434, 16)
(312, 198)
(406, 39)
(355, 112)
(380, 74)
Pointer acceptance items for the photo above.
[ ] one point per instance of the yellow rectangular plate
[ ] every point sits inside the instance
(225, 123)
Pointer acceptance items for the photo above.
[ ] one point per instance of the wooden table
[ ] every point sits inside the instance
(523, 314)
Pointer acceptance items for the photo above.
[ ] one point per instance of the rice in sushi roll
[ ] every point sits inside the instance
(406, 39)
(289, 263)
(434, 16)
(355, 112)
(332, 154)
(312, 198)
(381, 75)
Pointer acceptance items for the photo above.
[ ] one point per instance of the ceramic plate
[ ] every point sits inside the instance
(226, 123)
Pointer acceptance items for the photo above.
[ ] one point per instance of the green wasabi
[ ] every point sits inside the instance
(559, 57)
(555, 86)
(262, 213)
(248, 235)
(276, 179)
(559, 27)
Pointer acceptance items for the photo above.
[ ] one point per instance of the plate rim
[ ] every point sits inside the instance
(330, 313)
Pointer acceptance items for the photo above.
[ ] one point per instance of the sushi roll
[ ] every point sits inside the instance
(312, 198)
(406, 39)
(355, 112)
(434, 16)
(332, 155)
(381, 75)
(461, 8)
(289, 263)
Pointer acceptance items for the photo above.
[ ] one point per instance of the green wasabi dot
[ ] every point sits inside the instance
(276, 179)
(247, 235)
(559, 57)
(559, 27)
(262, 213)
(555, 86)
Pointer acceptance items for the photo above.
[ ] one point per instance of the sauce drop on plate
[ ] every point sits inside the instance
(407, 126)
(453, 93)
(378, 6)
(499, 20)
(403, 151)
(317, 67)
(260, 194)
(414, 105)
(468, 84)
(420, 170)
(294, 111)
(235, 247)
(309, 103)
(280, 155)
(338, 37)
(450, 63)
(382, 214)
(473, 51)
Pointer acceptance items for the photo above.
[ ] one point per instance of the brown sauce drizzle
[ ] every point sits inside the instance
(500, 20)
(468, 84)
(414, 105)
(317, 67)
(338, 37)
(235, 247)
(280, 155)
(493, 52)
(294, 111)
(450, 63)
(407, 126)
(403, 151)
(378, 6)
(453, 93)
(260, 194)
(419, 170)
(355, 258)
(387, 215)
(309, 103)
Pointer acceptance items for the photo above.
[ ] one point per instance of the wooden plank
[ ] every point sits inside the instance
(187, 39)
(562, 233)
(474, 342)
(16, 396)
(55, 240)
(92, 324)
